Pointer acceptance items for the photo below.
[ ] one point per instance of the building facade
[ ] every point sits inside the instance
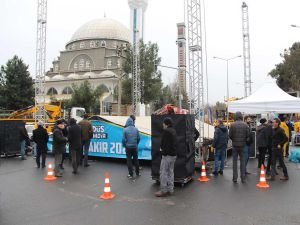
(95, 53)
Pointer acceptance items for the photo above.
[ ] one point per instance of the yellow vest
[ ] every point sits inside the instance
(297, 127)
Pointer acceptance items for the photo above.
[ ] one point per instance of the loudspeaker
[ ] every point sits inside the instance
(185, 162)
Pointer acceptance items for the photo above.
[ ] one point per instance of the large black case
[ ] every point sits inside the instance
(185, 162)
(9, 137)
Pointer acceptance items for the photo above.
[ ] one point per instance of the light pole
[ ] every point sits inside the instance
(227, 60)
(179, 88)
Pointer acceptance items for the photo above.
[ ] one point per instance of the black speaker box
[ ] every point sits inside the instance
(185, 162)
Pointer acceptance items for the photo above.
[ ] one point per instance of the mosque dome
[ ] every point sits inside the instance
(101, 29)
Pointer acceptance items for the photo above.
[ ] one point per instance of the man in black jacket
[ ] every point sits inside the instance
(278, 140)
(220, 145)
(262, 141)
(40, 137)
(59, 145)
(238, 133)
(168, 148)
(249, 141)
(23, 138)
(74, 138)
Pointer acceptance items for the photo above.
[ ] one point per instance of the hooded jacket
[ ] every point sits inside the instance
(131, 136)
(220, 137)
(239, 131)
(262, 139)
(86, 129)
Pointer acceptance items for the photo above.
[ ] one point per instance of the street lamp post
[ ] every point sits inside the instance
(227, 78)
(179, 88)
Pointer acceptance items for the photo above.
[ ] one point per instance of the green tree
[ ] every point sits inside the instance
(151, 83)
(82, 96)
(167, 97)
(16, 85)
(287, 73)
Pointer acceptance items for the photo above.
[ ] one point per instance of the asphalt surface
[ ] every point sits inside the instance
(26, 199)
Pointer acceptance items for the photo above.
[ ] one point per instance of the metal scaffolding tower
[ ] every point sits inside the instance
(195, 62)
(136, 84)
(246, 47)
(40, 114)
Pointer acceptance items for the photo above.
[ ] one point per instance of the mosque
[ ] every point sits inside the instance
(95, 53)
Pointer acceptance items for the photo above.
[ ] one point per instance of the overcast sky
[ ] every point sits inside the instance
(270, 33)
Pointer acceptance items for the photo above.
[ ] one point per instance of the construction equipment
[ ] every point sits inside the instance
(54, 111)
(246, 48)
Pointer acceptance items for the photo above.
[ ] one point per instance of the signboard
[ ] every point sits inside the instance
(107, 142)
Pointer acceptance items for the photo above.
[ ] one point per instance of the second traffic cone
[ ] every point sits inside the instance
(50, 173)
(203, 177)
(107, 190)
(262, 179)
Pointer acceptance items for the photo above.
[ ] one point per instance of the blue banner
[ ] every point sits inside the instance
(107, 142)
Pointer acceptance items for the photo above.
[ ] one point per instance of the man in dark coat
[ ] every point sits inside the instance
(238, 133)
(59, 145)
(23, 138)
(40, 137)
(249, 141)
(168, 148)
(74, 138)
(278, 140)
(269, 131)
(262, 141)
(87, 135)
(220, 144)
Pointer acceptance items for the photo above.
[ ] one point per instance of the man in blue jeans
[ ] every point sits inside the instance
(130, 141)
(220, 144)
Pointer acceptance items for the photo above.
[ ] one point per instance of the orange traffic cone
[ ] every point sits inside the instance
(203, 177)
(262, 179)
(50, 173)
(107, 191)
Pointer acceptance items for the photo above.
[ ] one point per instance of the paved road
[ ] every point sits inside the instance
(25, 199)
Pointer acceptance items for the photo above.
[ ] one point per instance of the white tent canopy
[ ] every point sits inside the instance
(267, 99)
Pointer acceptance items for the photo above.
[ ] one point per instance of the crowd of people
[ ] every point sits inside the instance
(272, 140)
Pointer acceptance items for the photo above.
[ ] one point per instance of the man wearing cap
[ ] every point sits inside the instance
(40, 137)
(59, 145)
(168, 148)
(262, 141)
(74, 138)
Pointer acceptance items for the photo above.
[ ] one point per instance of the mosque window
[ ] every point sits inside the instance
(92, 44)
(119, 63)
(56, 68)
(73, 46)
(109, 63)
(87, 64)
(82, 44)
(67, 91)
(52, 91)
(76, 65)
(81, 63)
(103, 44)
